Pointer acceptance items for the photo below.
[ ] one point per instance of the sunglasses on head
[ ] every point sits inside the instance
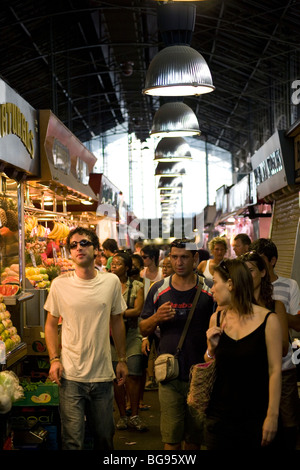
(223, 266)
(84, 243)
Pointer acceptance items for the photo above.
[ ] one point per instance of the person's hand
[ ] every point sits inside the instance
(213, 337)
(269, 430)
(165, 312)
(121, 373)
(55, 372)
(146, 346)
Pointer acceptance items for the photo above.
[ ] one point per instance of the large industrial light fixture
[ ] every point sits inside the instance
(169, 170)
(169, 183)
(175, 119)
(178, 70)
(172, 149)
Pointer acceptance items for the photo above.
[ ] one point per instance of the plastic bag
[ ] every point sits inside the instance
(10, 390)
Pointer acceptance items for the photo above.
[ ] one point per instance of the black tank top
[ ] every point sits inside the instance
(241, 388)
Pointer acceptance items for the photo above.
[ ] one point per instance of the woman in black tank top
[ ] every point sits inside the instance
(247, 347)
(263, 291)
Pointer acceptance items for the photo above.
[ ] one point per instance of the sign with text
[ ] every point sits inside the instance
(19, 142)
(273, 165)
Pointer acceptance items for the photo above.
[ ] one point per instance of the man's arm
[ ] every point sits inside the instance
(294, 321)
(51, 337)
(293, 314)
(119, 336)
(164, 313)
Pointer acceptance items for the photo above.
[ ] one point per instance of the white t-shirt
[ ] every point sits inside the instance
(148, 282)
(85, 307)
(287, 291)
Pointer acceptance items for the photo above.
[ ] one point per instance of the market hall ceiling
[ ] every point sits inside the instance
(87, 62)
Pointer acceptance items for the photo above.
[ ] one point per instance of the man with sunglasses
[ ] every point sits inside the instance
(90, 303)
(167, 305)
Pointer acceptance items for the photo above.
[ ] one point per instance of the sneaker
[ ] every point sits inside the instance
(136, 423)
(122, 423)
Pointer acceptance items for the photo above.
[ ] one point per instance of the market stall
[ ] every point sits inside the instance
(19, 162)
(239, 210)
(274, 169)
(53, 203)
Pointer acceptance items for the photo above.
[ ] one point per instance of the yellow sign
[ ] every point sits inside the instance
(13, 121)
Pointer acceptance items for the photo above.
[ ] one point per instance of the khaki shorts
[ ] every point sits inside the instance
(177, 424)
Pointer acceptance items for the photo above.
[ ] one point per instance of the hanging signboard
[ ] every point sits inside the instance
(273, 165)
(60, 152)
(19, 141)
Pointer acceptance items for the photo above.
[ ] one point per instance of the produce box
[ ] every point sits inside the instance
(38, 394)
(34, 337)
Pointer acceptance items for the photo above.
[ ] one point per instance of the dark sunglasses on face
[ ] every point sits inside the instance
(145, 256)
(84, 243)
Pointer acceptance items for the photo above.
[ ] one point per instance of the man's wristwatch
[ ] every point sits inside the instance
(122, 359)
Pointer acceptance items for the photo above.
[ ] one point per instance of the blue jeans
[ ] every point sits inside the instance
(93, 400)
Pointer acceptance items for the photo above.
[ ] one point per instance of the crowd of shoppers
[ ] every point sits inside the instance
(242, 319)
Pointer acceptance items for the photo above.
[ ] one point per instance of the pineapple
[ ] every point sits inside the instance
(8, 210)
(12, 220)
(53, 271)
(3, 218)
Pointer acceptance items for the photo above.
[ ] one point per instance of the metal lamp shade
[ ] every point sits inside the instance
(169, 169)
(175, 120)
(169, 183)
(178, 71)
(172, 149)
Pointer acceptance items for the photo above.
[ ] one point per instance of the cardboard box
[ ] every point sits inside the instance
(34, 337)
(45, 394)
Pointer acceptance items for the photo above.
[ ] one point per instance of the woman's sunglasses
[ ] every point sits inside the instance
(84, 243)
(223, 266)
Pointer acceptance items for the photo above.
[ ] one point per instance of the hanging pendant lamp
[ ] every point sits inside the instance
(175, 119)
(172, 149)
(169, 169)
(178, 70)
(169, 183)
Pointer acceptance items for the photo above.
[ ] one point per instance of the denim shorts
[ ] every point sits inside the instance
(90, 400)
(135, 365)
(177, 423)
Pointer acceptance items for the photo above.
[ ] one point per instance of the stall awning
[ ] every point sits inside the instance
(65, 162)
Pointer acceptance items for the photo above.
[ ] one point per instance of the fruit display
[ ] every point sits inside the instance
(63, 264)
(10, 274)
(8, 290)
(9, 239)
(30, 223)
(8, 332)
(60, 231)
(9, 214)
(38, 277)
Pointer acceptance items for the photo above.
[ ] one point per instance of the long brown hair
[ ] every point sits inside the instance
(266, 286)
(242, 294)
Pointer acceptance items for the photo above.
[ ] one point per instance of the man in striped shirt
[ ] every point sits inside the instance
(167, 306)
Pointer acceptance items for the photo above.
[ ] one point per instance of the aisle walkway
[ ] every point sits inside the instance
(149, 440)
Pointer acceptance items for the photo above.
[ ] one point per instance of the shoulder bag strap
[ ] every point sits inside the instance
(129, 293)
(188, 321)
